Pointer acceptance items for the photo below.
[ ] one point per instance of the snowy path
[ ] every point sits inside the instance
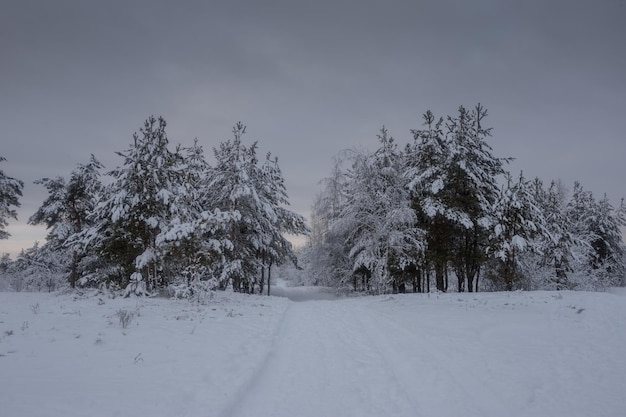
(339, 359)
(350, 358)
(325, 364)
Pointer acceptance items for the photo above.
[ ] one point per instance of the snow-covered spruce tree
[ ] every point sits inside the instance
(10, 193)
(517, 222)
(139, 204)
(254, 198)
(68, 208)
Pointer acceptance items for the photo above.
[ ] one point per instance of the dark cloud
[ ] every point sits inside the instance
(310, 79)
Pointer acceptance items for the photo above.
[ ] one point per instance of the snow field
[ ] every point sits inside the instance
(487, 354)
(73, 358)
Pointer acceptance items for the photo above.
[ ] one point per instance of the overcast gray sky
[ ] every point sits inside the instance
(310, 79)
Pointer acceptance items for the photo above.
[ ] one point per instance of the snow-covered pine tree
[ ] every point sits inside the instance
(10, 193)
(139, 204)
(276, 220)
(361, 222)
(620, 214)
(5, 278)
(254, 199)
(517, 222)
(557, 244)
(197, 237)
(474, 183)
(404, 240)
(68, 208)
(181, 238)
(38, 268)
(232, 191)
(606, 256)
(426, 173)
(453, 178)
(377, 218)
(608, 245)
(326, 254)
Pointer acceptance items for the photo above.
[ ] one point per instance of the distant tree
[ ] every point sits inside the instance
(10, 193)
(39, 268)
(5, 278)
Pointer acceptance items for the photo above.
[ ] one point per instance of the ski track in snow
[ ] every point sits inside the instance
(490, 354)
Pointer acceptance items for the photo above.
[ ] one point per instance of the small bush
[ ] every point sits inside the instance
(35, 308)
(125, 317)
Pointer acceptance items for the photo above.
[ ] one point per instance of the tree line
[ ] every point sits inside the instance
(444, 212)
(164, 219)
(440, 213)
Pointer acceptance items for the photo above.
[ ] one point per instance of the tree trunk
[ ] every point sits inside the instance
(417, 281)
(74, 273)
(440, 278)
(472, 274)
(460, 278)
(262, 282)
(477, 276)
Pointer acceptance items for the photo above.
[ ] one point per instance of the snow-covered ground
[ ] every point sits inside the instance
(489, 354)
